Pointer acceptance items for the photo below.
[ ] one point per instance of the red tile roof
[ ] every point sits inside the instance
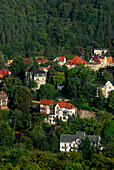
(110, 60)
(60, 103)
(46, 102)
(66, 105)
(3, 73)
(102, 57)
(96, 59)
(76, 60)
(61, 58)
(44, 68)
(42, 61)
(26, 60)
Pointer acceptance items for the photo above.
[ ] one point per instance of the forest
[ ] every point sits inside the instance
(49, 28)
(53, 27)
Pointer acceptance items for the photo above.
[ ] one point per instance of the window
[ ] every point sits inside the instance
(64, 117)
(109, 87)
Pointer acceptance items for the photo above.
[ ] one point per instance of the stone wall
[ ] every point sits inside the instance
(86, 114)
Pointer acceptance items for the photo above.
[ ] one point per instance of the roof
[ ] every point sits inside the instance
(60, 103)
(3, 73)
(26, 60)
(76, 60)
(68, 138)
(44, 68)
(46, 102)
(102, 57)
(42, 61)
(111, 81)
(38, 71)
(3, 95)
(93, 139)
(65, 105)
(96, 59)
(61, 58)
(110, 60)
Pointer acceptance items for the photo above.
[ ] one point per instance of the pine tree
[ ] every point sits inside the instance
(87, 149)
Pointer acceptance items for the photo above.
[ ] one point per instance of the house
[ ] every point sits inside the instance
(107, 88)
(60, 86)
(61, 60)
(26, 60)
(9, 61)
(110, 60)
(41, 61)
(96, 62)
(70, 142)
(100, 51)
(57, 109)
(39, 76)
(3, 100)
(72, 63)
(4, 72)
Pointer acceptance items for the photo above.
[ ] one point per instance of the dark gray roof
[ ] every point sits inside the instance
(68, 138)
(103, 83)
(93, 139)
(38, 71)
(112, 81)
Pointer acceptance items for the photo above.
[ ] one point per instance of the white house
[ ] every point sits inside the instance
(61, 60)
(107, 88)
(39, 76)
(69, 142)
(57, 109)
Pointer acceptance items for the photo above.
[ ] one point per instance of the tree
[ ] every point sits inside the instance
(59, 78)
(18, 68)
(87, 149)
(111, 102)
(24, 103)
(2, 61)
(7, 135)
(13, 87)
(53, 142)
(16, 116)
(32, 84)
(107, 76)
(47, 91)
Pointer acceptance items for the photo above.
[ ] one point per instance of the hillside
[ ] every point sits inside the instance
(52, 27)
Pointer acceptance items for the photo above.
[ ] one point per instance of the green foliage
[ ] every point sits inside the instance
(13, 87)
(2, 61)
(58, 78)
(6, 134)
(107, 76)
(18, 68)
(87, 149)
(111, 102)
(47, 91)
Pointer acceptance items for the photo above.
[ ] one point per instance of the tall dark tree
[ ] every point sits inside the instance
(87, 149)
(18, 68)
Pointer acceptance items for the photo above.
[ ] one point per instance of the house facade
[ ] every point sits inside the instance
(39, 76)
(69, 142)
(107, 88)
(57, 109)
(3, 100)
(61, 60)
